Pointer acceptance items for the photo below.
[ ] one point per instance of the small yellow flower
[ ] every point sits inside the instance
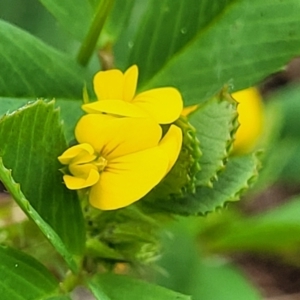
(120, 159)
(251, 118)
(116, 95)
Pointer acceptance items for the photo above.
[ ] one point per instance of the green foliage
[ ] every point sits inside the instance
(70, 111)
(24, 278)
(114, 287)
(275, 232)
(220, 116)
(74, 20)
(200, 48)
(189, 271)
(214, 44)
(14, 189)
(236, 178)
(77, 21)
(33, 69)
(31, 140)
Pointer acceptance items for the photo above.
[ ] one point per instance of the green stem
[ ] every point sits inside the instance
(90, 41)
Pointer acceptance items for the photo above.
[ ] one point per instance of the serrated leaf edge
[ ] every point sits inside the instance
(15, 191)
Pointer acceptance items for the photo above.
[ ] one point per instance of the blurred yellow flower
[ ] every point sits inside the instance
(116, 96)
(251, 118)
(120, 159)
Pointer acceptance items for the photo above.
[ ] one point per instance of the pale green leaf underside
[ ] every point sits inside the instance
(31, 68)
(31, 139)
(215, 123)
(239, 42)
(22, 277)
(117, 287)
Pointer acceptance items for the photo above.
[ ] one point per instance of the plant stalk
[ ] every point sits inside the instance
(87, 47)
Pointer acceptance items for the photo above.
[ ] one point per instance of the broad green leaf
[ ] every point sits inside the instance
(215, 123)
(76, 16)
(232, 182)
(70, 110)
(281, 159)
(31, 139)
(73, 15)
(117, 287)
(14, 190)
(205, 278)
(286, 103)
(23, 278)
(274, 232)
(59, 298)
(198, 46)
(34, 69)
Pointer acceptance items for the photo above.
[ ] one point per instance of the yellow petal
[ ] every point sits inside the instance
(163, 104)
(251, 118)
(188, 110)
(171, 145)
(76, 183)
(115, 107)
(109, 84)
(129, 178)
(130, 82)
(82, 170)
(112, 137)
(80, 154)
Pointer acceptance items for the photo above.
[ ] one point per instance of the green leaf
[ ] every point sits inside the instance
(31, 139)
(14, 190)
(199, 50)
(286, 104)
(23, 278)
(70, 110)
(73, 15)
(119, 18)
(117, 287)
(34, 69)
(215, 123)
(59, 298)
(232, 182)
(205, 278)
(76, 15)
(274, 232)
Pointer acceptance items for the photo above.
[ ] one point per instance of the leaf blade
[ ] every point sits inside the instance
(31, 139)
(22, 277)
(34, 69)
(235, 46)
(113, 287)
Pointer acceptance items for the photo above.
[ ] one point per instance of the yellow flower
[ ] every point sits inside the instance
(251, 118)
(116, 94)
(120, 159)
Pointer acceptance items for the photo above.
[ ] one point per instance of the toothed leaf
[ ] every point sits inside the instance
(70, 111)
(31, 139)
(215, 123)
(233, 181)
